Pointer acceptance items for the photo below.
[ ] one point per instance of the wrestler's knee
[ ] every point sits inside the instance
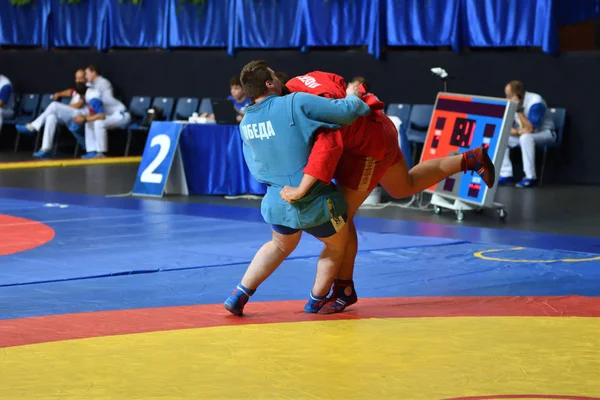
(337, 242)
(286, 243)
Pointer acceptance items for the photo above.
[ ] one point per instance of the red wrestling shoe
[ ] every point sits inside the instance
(343, 295)
(478, 160)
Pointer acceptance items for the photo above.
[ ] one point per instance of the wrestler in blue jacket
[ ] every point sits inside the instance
(276, 133)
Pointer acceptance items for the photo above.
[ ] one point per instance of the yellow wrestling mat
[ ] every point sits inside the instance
(69, 162)
(368, 359)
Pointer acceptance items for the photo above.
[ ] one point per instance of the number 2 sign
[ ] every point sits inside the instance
(160, 153)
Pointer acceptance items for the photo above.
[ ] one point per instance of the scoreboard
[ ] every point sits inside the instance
(463, 122)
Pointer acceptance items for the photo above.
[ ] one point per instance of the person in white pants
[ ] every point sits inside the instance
(104, 112)
(6, 103)
(57, 112)
(533, 125)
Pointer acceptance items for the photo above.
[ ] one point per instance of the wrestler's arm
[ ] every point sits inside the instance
(341, 112)
(322, 162)
(319, 109)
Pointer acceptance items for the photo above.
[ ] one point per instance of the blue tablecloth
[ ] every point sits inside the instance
(214, 163)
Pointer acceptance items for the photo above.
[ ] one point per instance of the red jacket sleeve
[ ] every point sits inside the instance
(325, 154)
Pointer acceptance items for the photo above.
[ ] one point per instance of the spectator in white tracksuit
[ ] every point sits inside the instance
(104, 112)
(56, 113)
(533, 125)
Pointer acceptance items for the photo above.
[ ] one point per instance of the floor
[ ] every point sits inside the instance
(107, 296)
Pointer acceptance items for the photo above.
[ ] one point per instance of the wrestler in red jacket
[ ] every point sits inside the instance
(362, 155)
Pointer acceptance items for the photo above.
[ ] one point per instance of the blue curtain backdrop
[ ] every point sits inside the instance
(264, 24)
(493, 23)
(342, 23)
(24, 26)
(193, 26)
(143, 25)
(77, 25)
(423, 23)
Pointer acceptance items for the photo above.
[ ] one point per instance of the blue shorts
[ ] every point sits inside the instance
(325, 230)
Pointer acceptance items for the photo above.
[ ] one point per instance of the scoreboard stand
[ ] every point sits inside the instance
(440, 202)
(460, 123)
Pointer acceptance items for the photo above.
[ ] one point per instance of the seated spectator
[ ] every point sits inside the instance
(6, 100)
(58, 112)
(104, 112)
(238, 97)
(97, 81)
(533, 125)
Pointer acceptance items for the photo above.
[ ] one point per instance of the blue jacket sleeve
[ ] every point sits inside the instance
(97, 106)
(536, 114)
(5, 93)
(340, 112)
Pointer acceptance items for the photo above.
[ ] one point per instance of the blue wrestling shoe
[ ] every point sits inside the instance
(314, 303)
(26, 129)
(42, 154)
(238, 299)
(526, 183)
(342, 296)
(91, 154)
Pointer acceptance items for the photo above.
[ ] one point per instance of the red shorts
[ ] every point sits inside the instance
(362, 167)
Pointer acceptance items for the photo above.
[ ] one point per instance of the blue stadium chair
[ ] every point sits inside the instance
(13, 105)
(185, 107)
(559, 115)
(45, 101)
(28, 108)
(401, 111)
(418, 124)
(166, 104)
(205, 106)
(137, 108)
(27, 113)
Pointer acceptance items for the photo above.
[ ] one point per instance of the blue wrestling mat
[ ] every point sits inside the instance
(104, 258)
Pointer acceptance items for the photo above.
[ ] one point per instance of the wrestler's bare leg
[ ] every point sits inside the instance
(266, 260)
(343, 293)
(354, 199)
(399, 182)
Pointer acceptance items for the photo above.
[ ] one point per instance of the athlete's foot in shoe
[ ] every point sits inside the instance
(235, 303)
(342, 297)
(314, 303)
(238, 299)
(479, 161)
